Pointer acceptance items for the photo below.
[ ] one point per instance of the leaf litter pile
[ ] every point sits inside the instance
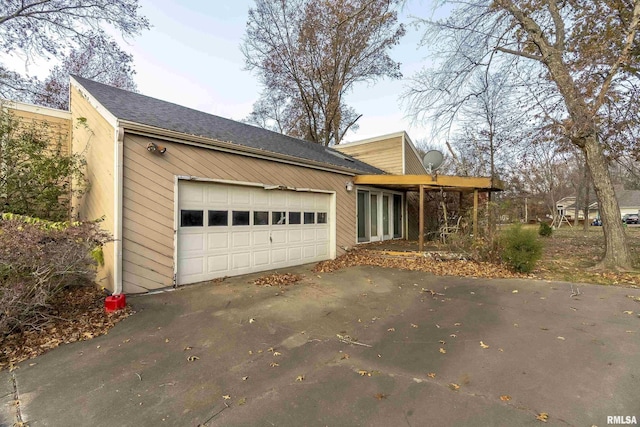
(279, 280)
(454, 267)
(76, 314)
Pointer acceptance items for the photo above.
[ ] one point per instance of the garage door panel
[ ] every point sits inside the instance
(295, 254)
(261, 238)
(240, 239)
(309, 252)
(215, 248)
(192, 242)
(218, 240)
(294, 236)
(241, 260)
(279, 256)
(309, 235)
(218, 195)
(279, 236)
(261, 258)
(192, 266)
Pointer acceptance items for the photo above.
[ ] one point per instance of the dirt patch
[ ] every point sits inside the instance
(77, 314)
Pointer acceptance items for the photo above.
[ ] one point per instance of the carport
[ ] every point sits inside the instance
(422, 183)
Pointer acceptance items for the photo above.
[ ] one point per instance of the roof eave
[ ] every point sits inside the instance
(180, 137)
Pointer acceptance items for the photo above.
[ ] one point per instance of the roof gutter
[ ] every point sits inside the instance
(229, 147)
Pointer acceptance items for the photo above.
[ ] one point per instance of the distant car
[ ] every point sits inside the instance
(631, 219)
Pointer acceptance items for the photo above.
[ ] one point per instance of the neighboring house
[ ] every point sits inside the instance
(191, 197)
(628, 201)
(567, 207)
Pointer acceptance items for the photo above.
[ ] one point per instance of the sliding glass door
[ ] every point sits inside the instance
(379, 215)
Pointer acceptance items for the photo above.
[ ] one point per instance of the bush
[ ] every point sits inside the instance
(545, 230)
(521, 248)
(37, 260)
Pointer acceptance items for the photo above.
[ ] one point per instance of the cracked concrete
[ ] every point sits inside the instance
(192, 357)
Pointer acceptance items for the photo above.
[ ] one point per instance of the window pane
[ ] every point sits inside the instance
(363, 215)
(397, 216)
(240, 218)
(218, 218)
(322, 217)
(260, 218)
(278, 218)
(190, 218)
(309, 217)
(294, 217)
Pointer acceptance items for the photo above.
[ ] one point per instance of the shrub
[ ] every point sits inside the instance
(545, 230)
(521, 248)
(37, 260)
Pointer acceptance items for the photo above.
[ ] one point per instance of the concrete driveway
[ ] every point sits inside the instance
(431, 351)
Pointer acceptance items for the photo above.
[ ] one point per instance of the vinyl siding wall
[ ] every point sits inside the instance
(148, 201)
(93, 138)
(58, 128)
(385, 154)
(413, 164)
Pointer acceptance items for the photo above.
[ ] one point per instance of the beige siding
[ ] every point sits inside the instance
(413, 164)
(93, 138)
(148, 202)
(58, 128)
(385, 154)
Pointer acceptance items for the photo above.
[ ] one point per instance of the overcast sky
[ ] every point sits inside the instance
(192, 57)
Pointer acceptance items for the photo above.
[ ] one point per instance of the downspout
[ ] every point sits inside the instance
(117, 218)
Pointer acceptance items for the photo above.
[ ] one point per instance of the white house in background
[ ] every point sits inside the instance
(628, 200)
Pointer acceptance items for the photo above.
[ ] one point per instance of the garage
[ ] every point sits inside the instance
(228, 229)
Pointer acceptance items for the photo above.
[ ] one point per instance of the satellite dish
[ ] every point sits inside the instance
(432, 160)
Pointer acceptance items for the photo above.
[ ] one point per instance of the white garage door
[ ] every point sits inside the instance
(227, 230)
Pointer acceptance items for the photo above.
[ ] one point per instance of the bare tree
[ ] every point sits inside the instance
(582, 56)
(57, 28)
(115, 69)
(309, 54)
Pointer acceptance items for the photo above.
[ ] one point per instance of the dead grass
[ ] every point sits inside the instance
(571, 253)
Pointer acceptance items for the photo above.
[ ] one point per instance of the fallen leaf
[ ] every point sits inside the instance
(457, 324)
(391, 330)
(628, 312)
(561, 338)
(413, 325)
(270, 349)
(344, 356)
(364, 373)
(274, 364)
(245, 378)
(277, 353)
(542, 416)
(483, 345)
(437, 326)
(252, 320)
(193, 358)
(226, 397)
(454, 386)
(442, 350)
(505, 398)
(453, 335)
(431, 374)
(380, 396)
(442, 342)
(515, 291)
(300, 378)
(166, 340)
(242, 401)
(187, 348)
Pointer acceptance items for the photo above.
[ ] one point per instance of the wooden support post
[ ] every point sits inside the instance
(421, 221)
(475, 214)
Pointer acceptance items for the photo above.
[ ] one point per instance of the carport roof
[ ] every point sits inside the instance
(431, 182)
(136, 108)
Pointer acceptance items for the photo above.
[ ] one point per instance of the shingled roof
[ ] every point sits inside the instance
(141, 109)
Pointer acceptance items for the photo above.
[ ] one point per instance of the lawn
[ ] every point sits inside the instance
(571, 253)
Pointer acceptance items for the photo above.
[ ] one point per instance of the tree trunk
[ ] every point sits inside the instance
(585, 183)
(617, 255)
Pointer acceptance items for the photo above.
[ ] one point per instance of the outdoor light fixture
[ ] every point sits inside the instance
(152, 147)
(349, 185)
